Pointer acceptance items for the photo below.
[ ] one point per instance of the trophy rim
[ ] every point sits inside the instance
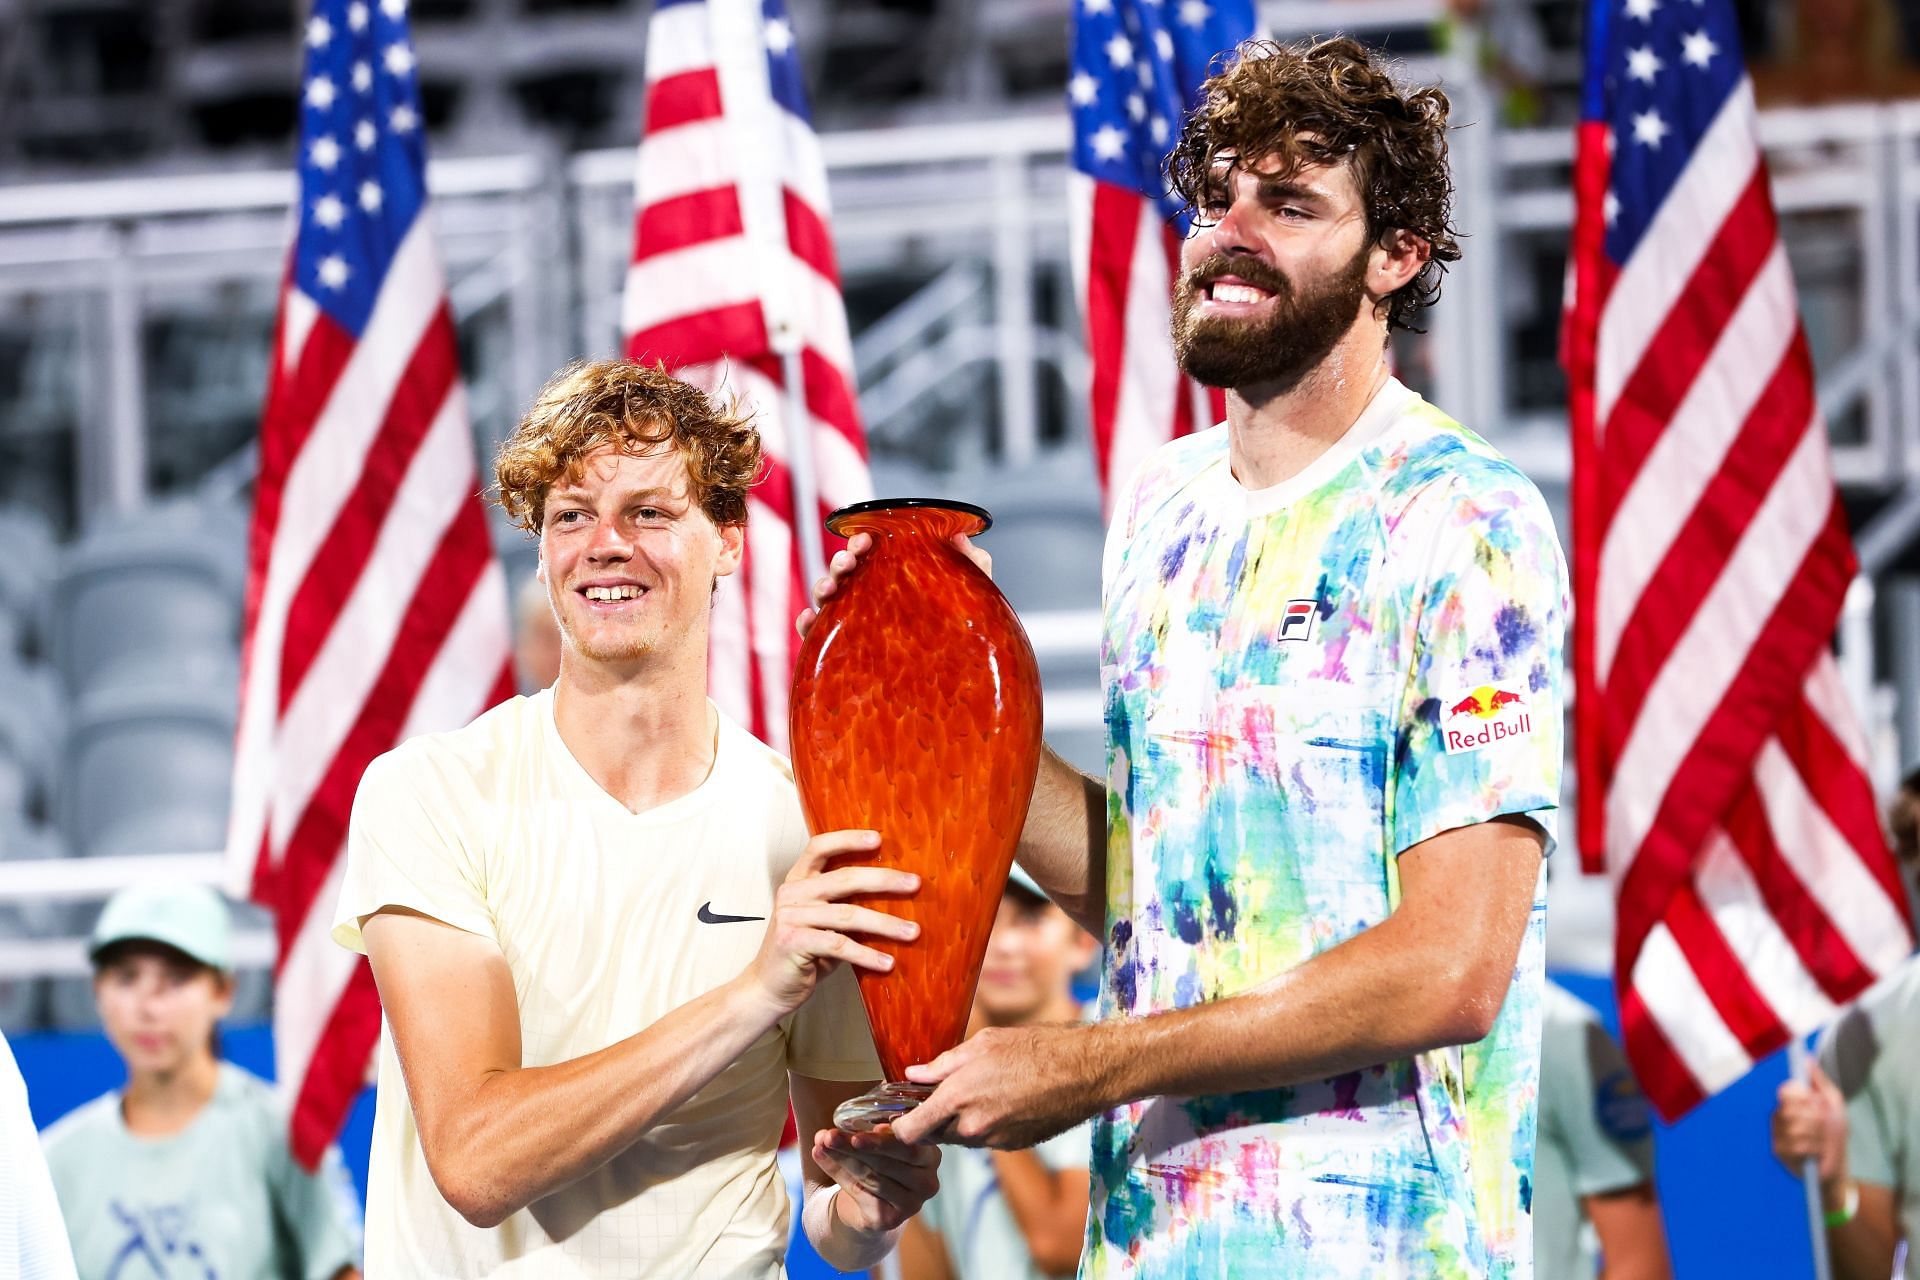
(897, 504)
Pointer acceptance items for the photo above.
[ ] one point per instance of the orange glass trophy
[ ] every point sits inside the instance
(916, 713)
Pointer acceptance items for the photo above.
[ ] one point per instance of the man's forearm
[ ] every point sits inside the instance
(1378, 997)
(1064, 843)
(523, 1134)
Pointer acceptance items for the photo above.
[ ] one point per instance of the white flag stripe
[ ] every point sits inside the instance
(437, 486)
(1150, 387)
(1700, 667)
(317, 484)
(1672, 994)
(1685, 227)
(449, 695)
(804, 171)
(1827, 866)
(684, 159)
(1733, 899)
(684, 283)
(1827, 692)
(677, 41)
(296, 325)
(727, 672)
(1680, 466)
(308, 985)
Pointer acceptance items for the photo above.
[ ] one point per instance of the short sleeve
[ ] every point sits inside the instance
(1593, 1108)
(1479, 730)
(1852, 1057)
(828, 1037)
(410, 844)
(320, 1213)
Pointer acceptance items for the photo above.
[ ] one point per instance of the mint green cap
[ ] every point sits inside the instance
(187, 917)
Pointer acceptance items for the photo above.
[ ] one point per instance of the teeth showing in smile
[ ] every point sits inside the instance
(1237, 293)
(628, 592)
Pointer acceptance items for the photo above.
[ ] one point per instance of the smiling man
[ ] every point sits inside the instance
(1331, 665)
(607, 951)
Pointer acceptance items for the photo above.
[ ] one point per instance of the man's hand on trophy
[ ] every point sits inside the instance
(882, 1180)
(811, 929)
(1006, 1087)
(841, 567)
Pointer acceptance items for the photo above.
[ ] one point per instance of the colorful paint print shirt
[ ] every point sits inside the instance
(1302, 682)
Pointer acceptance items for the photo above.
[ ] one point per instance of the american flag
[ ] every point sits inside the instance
(1723, 772)
(1137, 70)
(375, 608)
(733, 268)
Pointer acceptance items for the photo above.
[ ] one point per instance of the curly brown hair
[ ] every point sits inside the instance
(1323, 103)
(634, 407)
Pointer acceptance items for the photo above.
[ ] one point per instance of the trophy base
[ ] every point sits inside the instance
(881, 1106)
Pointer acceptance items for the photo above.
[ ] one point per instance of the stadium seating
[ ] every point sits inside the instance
(139, 750)
(28, 554)
(158, 589)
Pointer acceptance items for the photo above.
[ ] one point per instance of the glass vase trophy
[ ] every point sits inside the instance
(916, 713)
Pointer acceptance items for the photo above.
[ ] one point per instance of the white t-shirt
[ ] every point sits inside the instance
(498, 830)
(982, 1238)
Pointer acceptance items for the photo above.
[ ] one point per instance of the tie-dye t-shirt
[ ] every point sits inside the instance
(1300, 683)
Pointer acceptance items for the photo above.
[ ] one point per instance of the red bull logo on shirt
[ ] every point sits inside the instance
(1483, 717)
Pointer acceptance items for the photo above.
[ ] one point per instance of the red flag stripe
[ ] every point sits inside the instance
(461, 556)
(1682, 343)
(1695, 557)
(348, 545)
(1713, 773)
(1722, 976)
(702, 337)
(1116, 221)
(686, 220)
(686, 98)
(810, 239)
(1831, 771)
(1823, 952)
(333, 1078)
(1665, 1078)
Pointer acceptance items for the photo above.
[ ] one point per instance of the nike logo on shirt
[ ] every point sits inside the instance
(708, 917)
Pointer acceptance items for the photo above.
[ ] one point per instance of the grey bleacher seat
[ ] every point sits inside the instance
(22, 995)
(28, 554)
(164, 591)
(33, 729)
(135, 751)
(218, 527)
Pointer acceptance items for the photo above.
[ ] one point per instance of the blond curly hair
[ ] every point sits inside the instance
(635, 408)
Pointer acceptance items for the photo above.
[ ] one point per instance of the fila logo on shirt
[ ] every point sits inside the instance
(1297, 622)
(1482, 717)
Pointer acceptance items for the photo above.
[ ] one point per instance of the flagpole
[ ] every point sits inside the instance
(1797, 1066)
(806, 489)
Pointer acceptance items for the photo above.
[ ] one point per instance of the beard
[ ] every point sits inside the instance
(1281, 348)
(623, 645)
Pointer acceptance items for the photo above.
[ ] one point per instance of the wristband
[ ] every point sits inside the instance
(1849, 1206)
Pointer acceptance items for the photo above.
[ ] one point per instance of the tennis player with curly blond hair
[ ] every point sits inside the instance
(1330, 668)
(608, 953)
